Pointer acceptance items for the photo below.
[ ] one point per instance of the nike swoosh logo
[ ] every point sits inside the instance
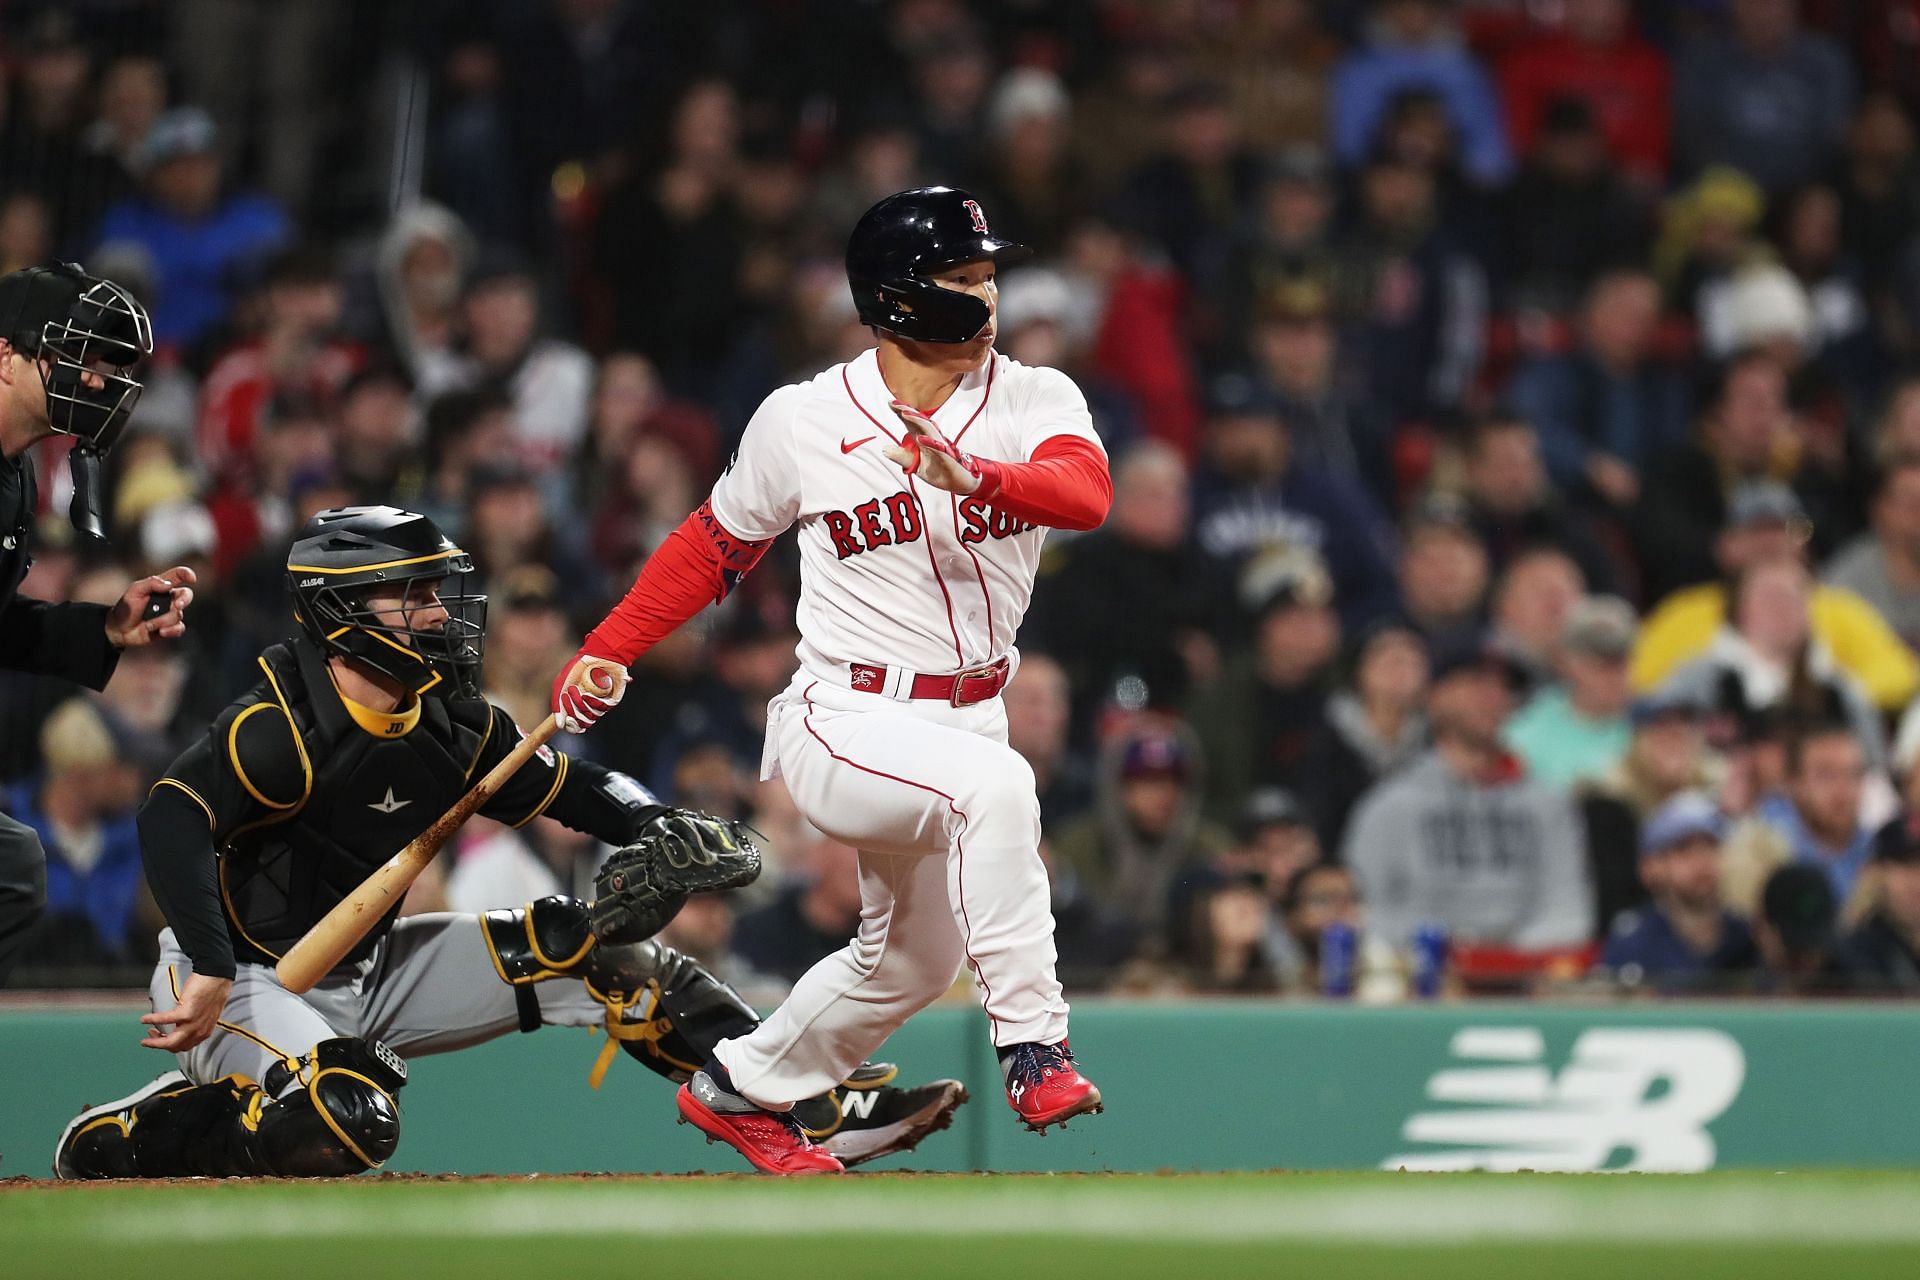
(849, 448)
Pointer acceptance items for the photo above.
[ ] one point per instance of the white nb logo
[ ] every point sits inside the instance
(1650, 1092)
(389, 805)
(859, 1103)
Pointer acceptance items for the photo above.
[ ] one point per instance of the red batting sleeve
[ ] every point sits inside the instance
(1065, 486)
(695, 567)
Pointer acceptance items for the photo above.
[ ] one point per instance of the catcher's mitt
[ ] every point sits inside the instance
(679, 852)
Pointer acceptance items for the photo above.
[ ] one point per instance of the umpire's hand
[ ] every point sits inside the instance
(193, 1018)
(128, 623)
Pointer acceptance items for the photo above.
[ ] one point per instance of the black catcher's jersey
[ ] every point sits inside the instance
(300, 795)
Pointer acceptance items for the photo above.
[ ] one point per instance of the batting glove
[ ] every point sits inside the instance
(587, 690)
(925, 453)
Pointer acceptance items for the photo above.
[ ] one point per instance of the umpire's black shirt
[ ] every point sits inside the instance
(66, 640)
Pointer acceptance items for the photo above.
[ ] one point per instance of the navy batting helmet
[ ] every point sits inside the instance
(905, 238)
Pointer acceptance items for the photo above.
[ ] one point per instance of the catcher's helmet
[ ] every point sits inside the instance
(338, 560)
(900, 241)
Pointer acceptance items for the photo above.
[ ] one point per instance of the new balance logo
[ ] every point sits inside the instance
(859, 1104)
(1637, 1098)
(389, 804)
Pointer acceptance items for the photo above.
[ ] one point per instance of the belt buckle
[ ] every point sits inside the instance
(958, 697)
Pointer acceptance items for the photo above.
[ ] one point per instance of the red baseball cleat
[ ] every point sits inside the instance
(1044, 1087)
(771, 1142)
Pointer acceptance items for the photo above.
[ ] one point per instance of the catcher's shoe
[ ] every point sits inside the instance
(1044, 1086)
(884, 1122)
(771, 1142)
(95, 1143)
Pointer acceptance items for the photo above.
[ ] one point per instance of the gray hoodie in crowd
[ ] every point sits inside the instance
(1501, 863)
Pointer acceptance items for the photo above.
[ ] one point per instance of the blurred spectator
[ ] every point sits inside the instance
(1266, 489)
(1245, 942)
(1273, 60)
(197, 238)
(527, 641)
(1131, 599)
(1577, 729)
(1531, 605)
(1027, 175)
(752, 654)
(26, 231)
(1796, 934)
(1747, 435)
(549, 381)
(1374, 723)
(1567, 215)
(1883, 952)
(704, 929)
(1685, 937)
(1258, 720)
(261, 68)
(1879, 187)
(466, 433)
(1514, 507)
(297, 359)
(132, 94)
(1707, 230)
(1190, 196)
(1765, 96)
(1765, 522)
(1666, 757)
(1414, 298)
(812, 917)
(425, 253)
(1462, 838)
(493, 864)
(1608, 407)
(82, 808)
(1767, 657)
(1596, 58)
(1333, 425)
(1443, 571)
(1286, 242)
(1139, 324)
(375, 433)
(43, 144)
(1274, 840)
(469, 134)
(1145, 835)
(1817, 823)
(951, 70)
(1412, 45)
(1839, 338)
(1883, 567)
(1043, 323)
(1039, 707)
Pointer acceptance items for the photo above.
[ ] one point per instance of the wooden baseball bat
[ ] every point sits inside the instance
(326, 944)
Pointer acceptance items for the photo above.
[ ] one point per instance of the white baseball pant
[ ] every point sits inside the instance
(947, 824)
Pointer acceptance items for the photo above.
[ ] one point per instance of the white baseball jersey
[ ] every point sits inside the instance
(896, 572)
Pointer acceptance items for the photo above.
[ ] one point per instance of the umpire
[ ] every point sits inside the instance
(68, 344)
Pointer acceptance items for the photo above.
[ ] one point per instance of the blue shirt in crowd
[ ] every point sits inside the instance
(104, 895)
(195, 263)
(1842, 866)
(1645, 938)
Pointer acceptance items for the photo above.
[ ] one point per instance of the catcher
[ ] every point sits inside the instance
(362, 730)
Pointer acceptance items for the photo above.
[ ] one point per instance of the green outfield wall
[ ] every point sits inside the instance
(1193, 1085)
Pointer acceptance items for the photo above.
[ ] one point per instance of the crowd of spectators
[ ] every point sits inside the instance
(1514, 413)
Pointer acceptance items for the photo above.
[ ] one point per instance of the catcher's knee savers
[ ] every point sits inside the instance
(329, 1113)
(663, 1007)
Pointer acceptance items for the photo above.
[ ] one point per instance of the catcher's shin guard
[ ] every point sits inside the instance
(331, 1113)
(664, 1007)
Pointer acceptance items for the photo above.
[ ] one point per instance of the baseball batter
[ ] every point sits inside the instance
(923, 476)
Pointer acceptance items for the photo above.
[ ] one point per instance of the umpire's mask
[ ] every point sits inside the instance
(85, 335)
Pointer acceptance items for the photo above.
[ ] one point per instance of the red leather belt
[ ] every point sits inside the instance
(961, 689)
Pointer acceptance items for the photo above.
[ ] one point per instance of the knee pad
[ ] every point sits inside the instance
(336, 1113)
(545, 939)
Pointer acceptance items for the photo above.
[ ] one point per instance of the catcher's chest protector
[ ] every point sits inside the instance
(368, 798)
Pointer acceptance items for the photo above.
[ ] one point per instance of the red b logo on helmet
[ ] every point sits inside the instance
(979, 218)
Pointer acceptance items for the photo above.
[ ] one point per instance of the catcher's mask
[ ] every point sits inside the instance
(85, 335)
(346, 557)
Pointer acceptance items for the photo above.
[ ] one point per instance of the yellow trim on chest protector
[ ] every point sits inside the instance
(381, 724)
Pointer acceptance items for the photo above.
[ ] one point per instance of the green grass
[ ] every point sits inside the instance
(1184, 1227)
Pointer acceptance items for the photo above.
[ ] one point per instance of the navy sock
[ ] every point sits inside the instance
(718, 1074)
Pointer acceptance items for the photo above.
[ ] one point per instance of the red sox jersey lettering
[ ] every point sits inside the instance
(895, 572)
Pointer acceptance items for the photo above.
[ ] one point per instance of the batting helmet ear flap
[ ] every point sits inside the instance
(922, 311)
